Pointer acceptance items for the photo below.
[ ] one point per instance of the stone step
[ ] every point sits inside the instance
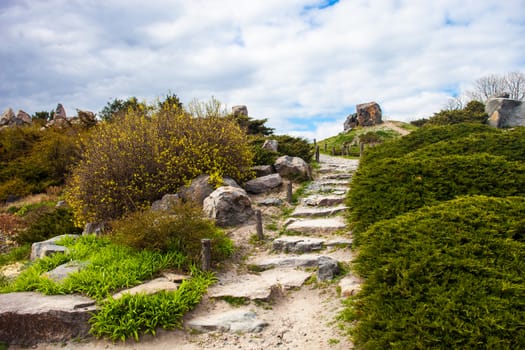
(28, 318)
(317, 200)
(301, 244)
(150, 287)
(264, 286)
(337, 176)
(327, 267)
(317, 226)
(234, 321)
(317, 212)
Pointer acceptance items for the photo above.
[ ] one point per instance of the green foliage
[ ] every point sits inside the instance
(386, 188)
(49, 224)
(16, 254)
(133, 315)
(181, 229)
(443, 277)
(287, 145)
(350, 140)
(474, 112)
(253, 126)
(127, 165)
(118, 108)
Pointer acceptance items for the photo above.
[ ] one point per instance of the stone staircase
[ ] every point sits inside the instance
(313, 244)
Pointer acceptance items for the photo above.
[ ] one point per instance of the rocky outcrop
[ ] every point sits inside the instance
(264, 183)
(293, 168)
(240, 110)
(505, 112)
(87, 119)
(8, 118)
(60, 112)
(49, 247)
(263, 170)
(228, 206)
(29, 318)
(200, 188)
(271, 145)
(367, 114)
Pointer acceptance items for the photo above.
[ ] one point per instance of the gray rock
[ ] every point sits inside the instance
(264, 183)
(94, 228)
(297, 244)
(235, 321)
(60, 112)
(87, 118)
(263, 170)
(350, 285)
(328, 268)
(49, 247)
(61, 272)
(271, 145)
(367, 114)
(317, 226)
(304, 260)
(276, 202)
(228, 206)
(61, 204)
(150, 287)
(294, 168)
(166, 203)
(201, 188)
(7, 117)
(323, 201)
(318, 212)
(29, 318)
(22, 118)
(505, 113)
(240, 110)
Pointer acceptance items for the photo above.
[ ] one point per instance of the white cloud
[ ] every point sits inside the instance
(302, 67)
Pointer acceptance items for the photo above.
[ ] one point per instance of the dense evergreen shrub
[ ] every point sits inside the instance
(443, 277)
(128, 164)
(384, 189)
(474, 112)
(45, 223)
(287, 145)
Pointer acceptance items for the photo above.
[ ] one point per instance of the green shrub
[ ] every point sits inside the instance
(443, 277)
(474, 112)
(129, 164)
(47, 224)
(180, 229)
(384, 189)
(14, 188)
(294, 147)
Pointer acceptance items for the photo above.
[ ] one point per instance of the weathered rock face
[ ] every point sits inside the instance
(200, 188)
(367, 114)
(49, 247)
(271, 145)
(22, 118)
(29, 318)
(94, 228)
(8, 118)
(87, 118)
(264, 183)
(294, 168)
(263, 170)
(166, 203)
(60, 112)
(240, 110)
(505, 113)
(228, 206)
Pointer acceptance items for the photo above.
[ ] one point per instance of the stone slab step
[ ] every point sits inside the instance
(318, 212)
(235, 321)
(28, 318)
(318, 200)
(150, 287)
(327, 267)
(302, 244)
(317, 226)
(265, 286)
(337, 176)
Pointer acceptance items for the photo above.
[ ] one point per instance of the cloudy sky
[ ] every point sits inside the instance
(303, 64)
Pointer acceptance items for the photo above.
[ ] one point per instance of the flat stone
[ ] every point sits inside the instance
(317, 226)
(346, 242)
(304, 260)
(338, 176)
(318, 212)
(235, 321)
(175, 277)
(297, 244)
(323, 200)
(150, 287)
(48, 247)
(328, 268)
(61, 272)
(350, 285)
(287, 278)
(277, 202)
(28, 318)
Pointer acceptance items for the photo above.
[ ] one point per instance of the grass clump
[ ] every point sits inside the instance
(443, 277)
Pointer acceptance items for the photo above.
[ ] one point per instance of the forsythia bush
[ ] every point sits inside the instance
(133, 161)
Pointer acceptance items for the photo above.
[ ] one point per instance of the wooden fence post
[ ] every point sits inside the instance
(317, 153)
(289, 192)
(361, 148)
(206, 254)
(259, 225)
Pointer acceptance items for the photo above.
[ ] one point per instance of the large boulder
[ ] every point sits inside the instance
(48, 247)
(367, 114)
(22, 118)
(240, 110)
(264, 183)
(293, 168)
(29, 318)
(87, 118)
(505, 112)
(166, 203)
(7, 117)
(201, 188)
(228, 206)
(263, 170)
(60, 112)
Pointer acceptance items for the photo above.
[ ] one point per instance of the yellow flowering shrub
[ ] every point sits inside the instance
(128, 164)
